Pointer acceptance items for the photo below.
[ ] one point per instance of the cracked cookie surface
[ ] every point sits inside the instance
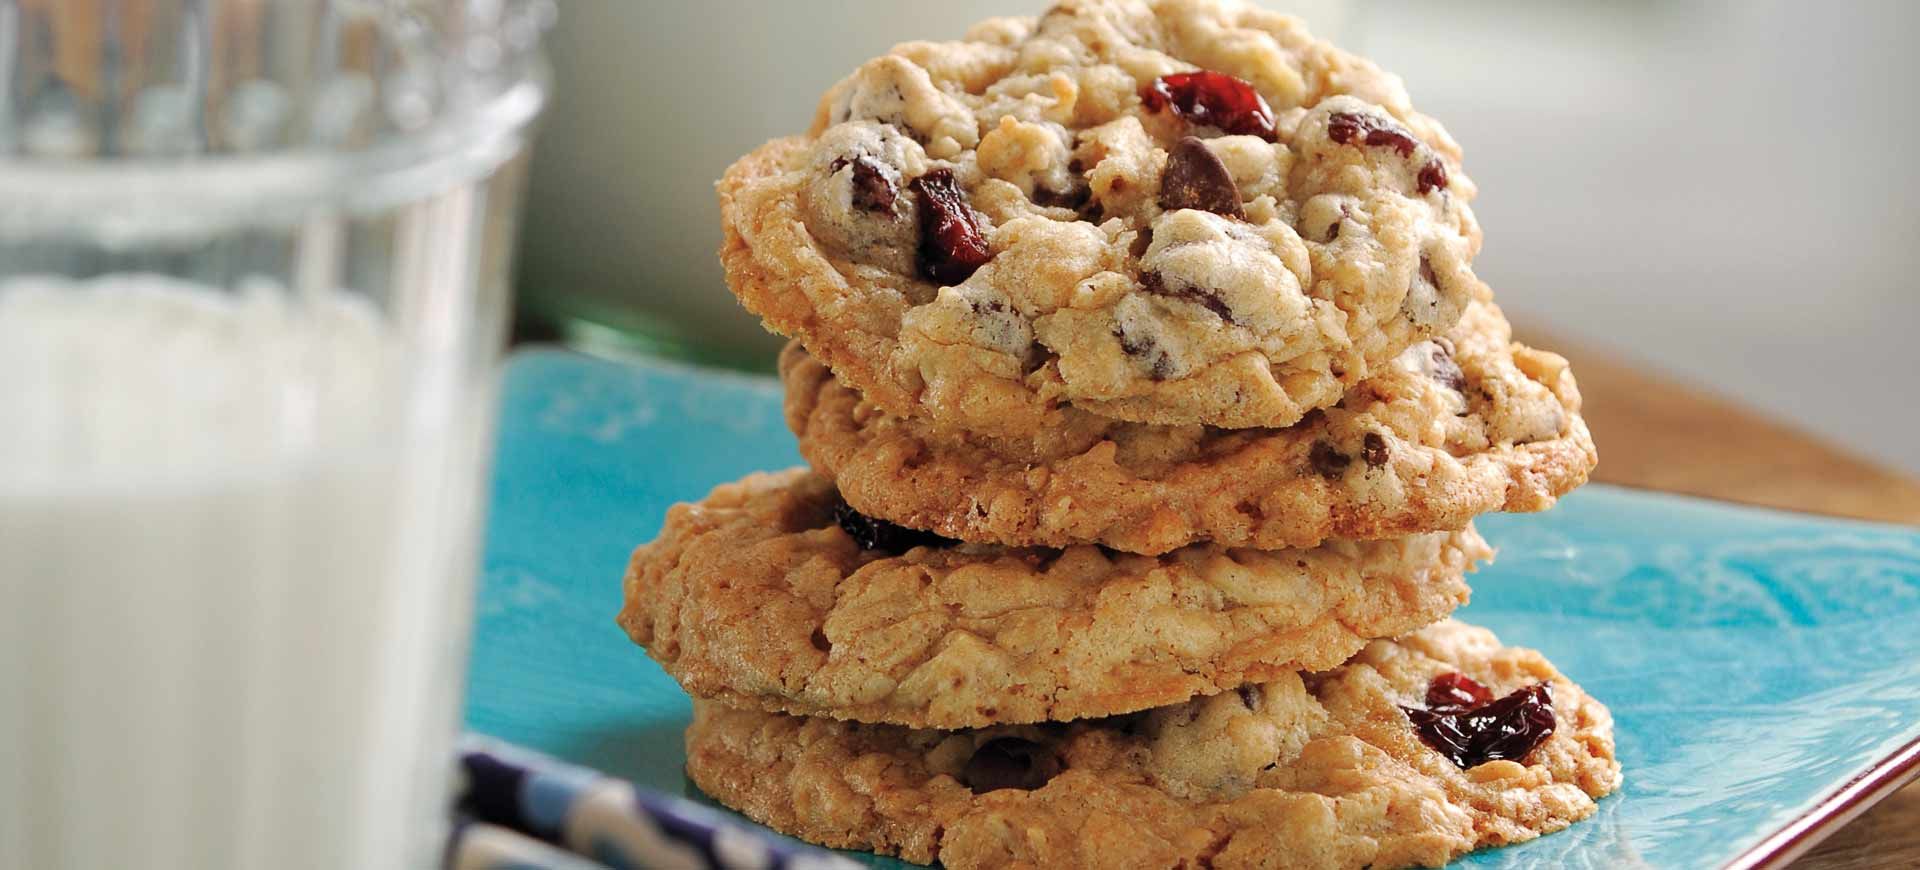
(1321, 770)
(1179, 212)
(1459, 426)
(758, 596)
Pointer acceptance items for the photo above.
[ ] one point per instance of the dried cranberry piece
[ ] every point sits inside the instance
(1471, 735)
(877, 534)
(1433, 176)
(1212, 99)
(952, 244)
(1345, 127)
(1195, 178)
(1456, 691)
(1010, 762)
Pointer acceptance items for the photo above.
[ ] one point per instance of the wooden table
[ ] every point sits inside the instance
(1657, 434)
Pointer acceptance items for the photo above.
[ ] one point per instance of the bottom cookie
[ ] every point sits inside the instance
(1326, 769)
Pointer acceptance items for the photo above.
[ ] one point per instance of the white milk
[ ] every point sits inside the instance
(235, 564)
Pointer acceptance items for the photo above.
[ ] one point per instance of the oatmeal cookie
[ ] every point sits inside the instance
(772, 594)
(1458, 426)
(1324, 770)
(1178, 212)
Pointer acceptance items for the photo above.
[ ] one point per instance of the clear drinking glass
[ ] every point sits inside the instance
(253, 260)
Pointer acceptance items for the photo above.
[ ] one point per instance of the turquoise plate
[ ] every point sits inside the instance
(1763, 668)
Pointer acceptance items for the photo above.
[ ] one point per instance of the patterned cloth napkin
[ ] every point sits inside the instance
(520, 810)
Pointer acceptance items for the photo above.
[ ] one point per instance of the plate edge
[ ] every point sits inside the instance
(1833, 811)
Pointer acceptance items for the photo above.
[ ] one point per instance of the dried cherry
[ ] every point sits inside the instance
(877, 534)
(1471, 731)
(1205, 98)
(952, 243)
(1347, 127)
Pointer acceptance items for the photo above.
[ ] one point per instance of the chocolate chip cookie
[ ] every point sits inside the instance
(1322, 770)
(1178, 212)
(772, 594)
(1457, 426)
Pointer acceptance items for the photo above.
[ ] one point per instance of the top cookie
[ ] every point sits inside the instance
(1183, 212)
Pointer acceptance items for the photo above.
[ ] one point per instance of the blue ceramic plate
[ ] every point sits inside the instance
(1763, 668)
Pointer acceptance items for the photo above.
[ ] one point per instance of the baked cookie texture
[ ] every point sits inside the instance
(1320, 770)
(1466, 423)
(757, 597)
(1178, 212)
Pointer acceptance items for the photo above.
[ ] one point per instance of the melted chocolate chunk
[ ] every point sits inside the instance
(877, 534)
(1159, 364)
(1156, 284)
(1010, 762)
(1195, 178)
(1333, 229)
(1373, 449)
(1075, 197)
(1330, 463)
(1445, 369)
(1211, 99)
(1471, 732)
(873, 187)
(1250, 695)
(1348, 127)
(952, 243)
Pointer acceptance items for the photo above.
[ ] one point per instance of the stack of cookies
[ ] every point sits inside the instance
(1149, 395)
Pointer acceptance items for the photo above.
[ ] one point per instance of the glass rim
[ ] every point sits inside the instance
(147, 197)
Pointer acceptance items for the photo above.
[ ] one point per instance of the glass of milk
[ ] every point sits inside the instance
(252, 298)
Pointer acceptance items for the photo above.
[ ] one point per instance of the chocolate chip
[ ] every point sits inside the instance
(1444, 369)
(1433, 176)
(952, 243)
(1422, 305)
(1373, 449)
(1333, 229)
(1010, 762)
(1330, 463)
(1250, 695)
(1075, 196)
(1346, 127)
(1142, 240)
(1195, 178)
(820, 641)
(873, 188)
(1143, 347)
(1155, 283)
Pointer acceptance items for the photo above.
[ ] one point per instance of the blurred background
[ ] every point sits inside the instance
(1720, 190)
